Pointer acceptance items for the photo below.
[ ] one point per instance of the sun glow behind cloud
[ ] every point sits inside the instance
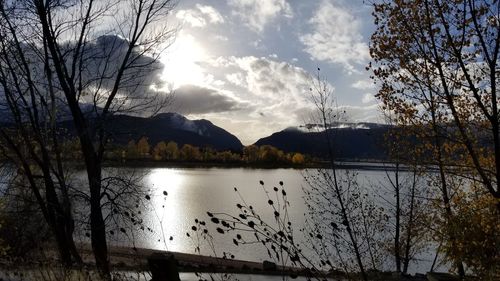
(182, 62)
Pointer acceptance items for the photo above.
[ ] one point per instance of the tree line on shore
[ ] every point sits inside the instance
(171, 151)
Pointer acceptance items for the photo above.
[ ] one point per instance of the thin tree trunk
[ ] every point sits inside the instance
(444, 194)
(444, 188)
(397, 247)
(368, 240)
(97, 224)
(434, 261)
(341, 201)
(409, 229)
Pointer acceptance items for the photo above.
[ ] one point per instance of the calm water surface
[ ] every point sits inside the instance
(194, 191)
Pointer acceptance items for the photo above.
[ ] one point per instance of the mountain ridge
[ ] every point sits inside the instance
(348, 142)
(351, 140)
(172, 127)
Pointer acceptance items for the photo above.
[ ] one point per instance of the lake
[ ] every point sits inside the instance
(194, 191)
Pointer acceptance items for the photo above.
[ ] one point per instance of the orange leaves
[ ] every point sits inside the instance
(477, 228)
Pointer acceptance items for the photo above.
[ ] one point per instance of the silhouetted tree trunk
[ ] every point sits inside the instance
(77, 72)
(28, 139)
(322, 99)
(397, 191)
(409, 228)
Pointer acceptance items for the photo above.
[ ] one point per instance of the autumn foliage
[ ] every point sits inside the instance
(171, 151)
(436, 63)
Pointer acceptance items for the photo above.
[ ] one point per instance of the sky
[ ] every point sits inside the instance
(247, 65)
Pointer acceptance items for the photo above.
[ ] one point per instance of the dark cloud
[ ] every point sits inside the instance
(190, 99)
(97, 70)
(102, 57)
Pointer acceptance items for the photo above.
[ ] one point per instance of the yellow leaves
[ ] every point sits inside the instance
(251, 153)
(190, 153)
(476, 228)
(143, 146)
(132, 151)
(160, 151)
(298, 158)
(172, 150)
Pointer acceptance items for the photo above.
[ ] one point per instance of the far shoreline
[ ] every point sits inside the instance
(343, 164)
(340, 164)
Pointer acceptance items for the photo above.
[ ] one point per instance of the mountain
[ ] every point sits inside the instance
(171, 127)
(162, 127)
(350, 141)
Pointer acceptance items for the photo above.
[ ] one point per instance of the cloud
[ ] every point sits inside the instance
(200, 16)
(368, 113)
(368, 98)
(235, 78)
(183, 61)
(257, 96)
(335, 37)
(256, 14)
(276, 95)
(139, 86)
(190, 99)
(192, 17)
(279, 82)
(272, 95)
(104, 55)
(221, 38)
(363, 84)
(137, 93)
(213, 15)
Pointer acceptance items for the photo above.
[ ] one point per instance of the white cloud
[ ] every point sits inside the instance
(221, 38)
(368, 113)
(200, 16)
(257, 13)
(368, 98)
(192, 17)
(272, 95)
(336, 37)
(213, 15)
(363, 84)
(278, 82)
(236, 78)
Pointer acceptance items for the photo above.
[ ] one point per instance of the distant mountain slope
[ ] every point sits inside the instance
(358, 142)
(172, 127)
(166, 127)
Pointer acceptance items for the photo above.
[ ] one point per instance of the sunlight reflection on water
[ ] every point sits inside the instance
(194, 191)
